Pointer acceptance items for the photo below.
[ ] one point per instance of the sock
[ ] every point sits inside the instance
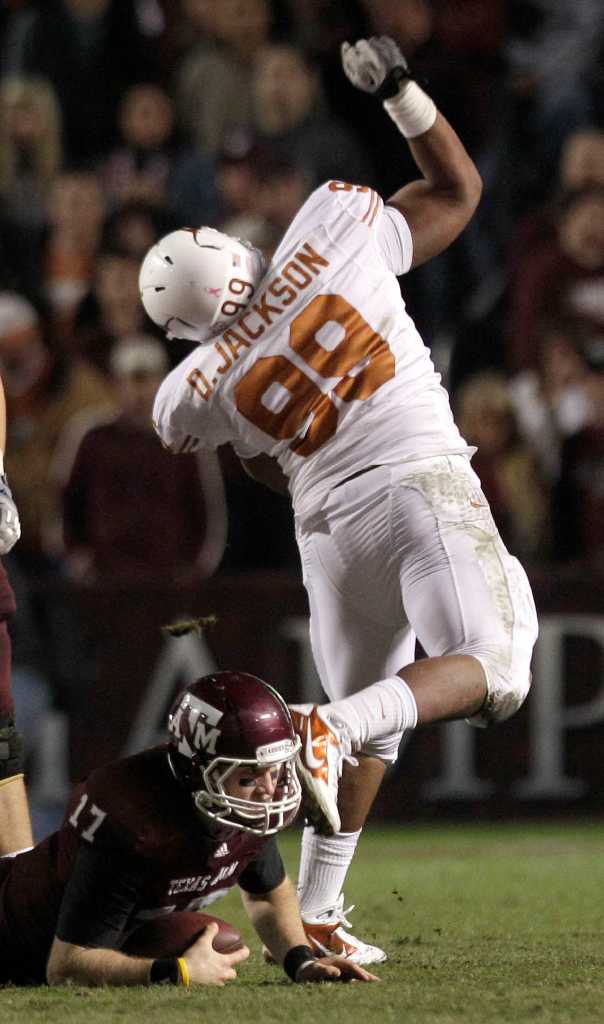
(324, 863)
(385, 708)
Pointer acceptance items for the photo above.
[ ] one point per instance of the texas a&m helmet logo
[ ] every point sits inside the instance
(194, 726)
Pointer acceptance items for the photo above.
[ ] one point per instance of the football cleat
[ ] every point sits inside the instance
(325, 746)
(327, 937)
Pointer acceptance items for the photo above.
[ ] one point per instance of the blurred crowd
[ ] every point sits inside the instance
(121, 119)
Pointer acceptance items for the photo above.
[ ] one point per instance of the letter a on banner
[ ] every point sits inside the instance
(181, 660)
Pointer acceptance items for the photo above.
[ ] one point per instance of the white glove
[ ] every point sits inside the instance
(10, 527)
(370, 62)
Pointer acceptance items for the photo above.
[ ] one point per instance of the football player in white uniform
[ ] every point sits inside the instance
(314, 372)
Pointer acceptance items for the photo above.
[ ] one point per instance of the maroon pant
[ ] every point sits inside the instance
(7, 608)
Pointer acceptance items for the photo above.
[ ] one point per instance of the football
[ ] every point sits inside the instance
(172, 934)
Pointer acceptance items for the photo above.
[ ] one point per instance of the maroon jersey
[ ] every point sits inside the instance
(132, 847)
(7, 598)
(7, 608)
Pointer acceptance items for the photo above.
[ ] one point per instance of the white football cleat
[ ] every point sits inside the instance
(326, 745)
(327, 937)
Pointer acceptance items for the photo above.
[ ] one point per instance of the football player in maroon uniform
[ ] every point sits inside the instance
(165, 831)
(15, 825)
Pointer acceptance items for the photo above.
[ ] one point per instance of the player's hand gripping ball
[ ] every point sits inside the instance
(172, 934)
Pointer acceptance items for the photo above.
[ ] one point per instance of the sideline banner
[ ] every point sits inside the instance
(547, 758)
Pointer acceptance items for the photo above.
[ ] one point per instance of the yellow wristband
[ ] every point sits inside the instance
(183, 971)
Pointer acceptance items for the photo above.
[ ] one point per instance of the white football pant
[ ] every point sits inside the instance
(411, 551)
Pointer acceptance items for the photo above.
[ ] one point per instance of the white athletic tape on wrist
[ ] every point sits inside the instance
(412, 110)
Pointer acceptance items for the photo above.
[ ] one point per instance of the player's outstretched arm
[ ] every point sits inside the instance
(438, 206)
(84, 966)
(276, 917)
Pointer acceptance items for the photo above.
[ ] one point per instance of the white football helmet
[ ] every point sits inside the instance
(195, 281)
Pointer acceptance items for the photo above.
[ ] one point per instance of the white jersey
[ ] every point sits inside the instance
(325, 370)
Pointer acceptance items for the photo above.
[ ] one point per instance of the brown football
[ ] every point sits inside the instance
(172, 934)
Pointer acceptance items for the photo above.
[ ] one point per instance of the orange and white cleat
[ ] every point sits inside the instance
(326, 745)
(327, 937)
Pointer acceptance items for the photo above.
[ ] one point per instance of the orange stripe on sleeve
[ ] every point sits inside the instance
(378, 206)
(369, 209)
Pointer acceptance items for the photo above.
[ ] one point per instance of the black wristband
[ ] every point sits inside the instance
(165, 972)
(391, 84)
(294, 959)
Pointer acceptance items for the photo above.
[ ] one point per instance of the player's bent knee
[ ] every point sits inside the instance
(12, 750)
(506, 693)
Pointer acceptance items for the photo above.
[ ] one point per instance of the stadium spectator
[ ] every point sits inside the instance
(581, 166)
(148, 165)
(168, 516)
(560, 410)
(31, 156)
(275, 187)
(212, 86)
(76, 212)
(542, 37)
(291, 118)
(238, 182)
(579, 505)
(550, 400)
(132, 227)
(90, 50)
(161, 833)
(508, 468)
(562, 277)
(314, 372)
(43, 393)
(110, 310)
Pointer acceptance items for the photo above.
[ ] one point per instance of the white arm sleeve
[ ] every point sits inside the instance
(394, 241)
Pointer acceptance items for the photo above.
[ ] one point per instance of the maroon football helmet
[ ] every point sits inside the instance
(224, 721)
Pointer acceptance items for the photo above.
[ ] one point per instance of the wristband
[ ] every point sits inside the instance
(296, 958)
(183, 970)
(412, 110)
(165, 972)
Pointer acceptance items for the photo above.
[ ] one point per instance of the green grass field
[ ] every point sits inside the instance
(482, 924)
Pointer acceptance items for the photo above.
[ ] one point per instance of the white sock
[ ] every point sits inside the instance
(385, 708)
(324, 863)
